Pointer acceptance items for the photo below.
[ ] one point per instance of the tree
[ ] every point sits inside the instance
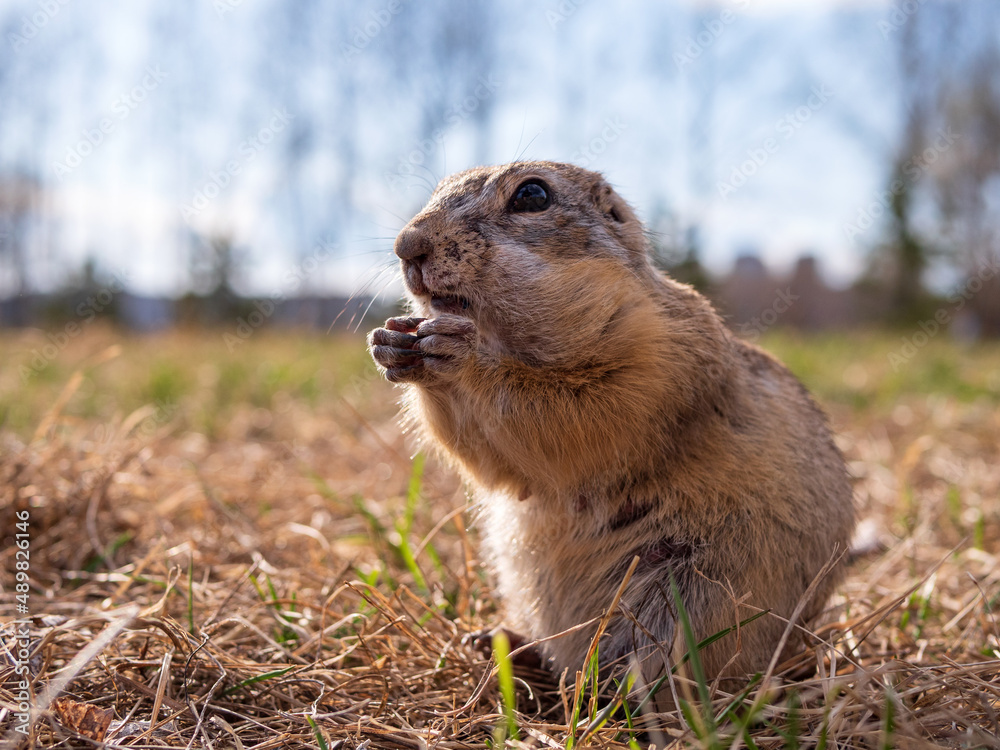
(945, 174)
(906, 253)
(967, 182)
(19, 200)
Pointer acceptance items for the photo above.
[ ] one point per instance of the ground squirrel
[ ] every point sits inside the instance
(601, 410)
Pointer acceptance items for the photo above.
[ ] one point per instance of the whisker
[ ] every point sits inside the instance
(361, 319)
(521, 155)
(524, 123)
(428, 182)
(374, 297)
(402, 221)
(364, 253)
(374, 277)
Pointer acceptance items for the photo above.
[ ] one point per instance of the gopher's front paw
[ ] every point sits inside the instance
(446, 342)
(394, 349)
(416, 350)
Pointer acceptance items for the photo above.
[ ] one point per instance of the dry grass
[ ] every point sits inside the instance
(237, 550)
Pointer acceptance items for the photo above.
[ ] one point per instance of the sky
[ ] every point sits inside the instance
(769, 124)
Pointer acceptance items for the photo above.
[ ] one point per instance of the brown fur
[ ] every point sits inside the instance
(601, 410)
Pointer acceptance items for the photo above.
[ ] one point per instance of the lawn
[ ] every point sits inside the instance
(236, 546)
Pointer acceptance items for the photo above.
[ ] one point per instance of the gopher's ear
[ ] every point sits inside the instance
(610, 203)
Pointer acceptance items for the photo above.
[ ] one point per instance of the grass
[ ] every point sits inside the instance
(505, 681)
(242, 549)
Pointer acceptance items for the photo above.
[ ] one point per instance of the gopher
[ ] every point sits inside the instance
(600, 410)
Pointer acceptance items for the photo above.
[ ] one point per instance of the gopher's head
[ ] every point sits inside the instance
(524, 249)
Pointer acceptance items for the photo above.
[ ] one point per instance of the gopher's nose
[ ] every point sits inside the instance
(412, 244)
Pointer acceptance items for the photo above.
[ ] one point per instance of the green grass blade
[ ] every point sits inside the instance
(320, 740)
(505, 676)
(594, 683)
(190, 596)
(273, 592)
(260, 589)
(720, 635)
(701, 644)
(258, 678)
(409, 560)
(888, 721)
(738, 699)
(404, 526)
(748, 738)
(414, 488)
(696, 666)
(607, 713)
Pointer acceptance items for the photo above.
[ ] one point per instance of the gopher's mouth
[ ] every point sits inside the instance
(449, 304)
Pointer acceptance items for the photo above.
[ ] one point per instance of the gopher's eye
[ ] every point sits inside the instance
(530, 197)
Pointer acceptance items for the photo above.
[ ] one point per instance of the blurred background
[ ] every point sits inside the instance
(817, 165)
